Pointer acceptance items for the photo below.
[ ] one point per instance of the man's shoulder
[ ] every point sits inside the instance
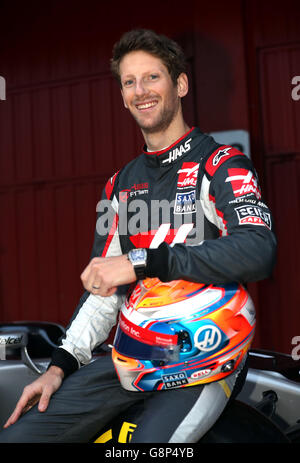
(122, 174)
(132, 166)
(220, 155)
(214, 155)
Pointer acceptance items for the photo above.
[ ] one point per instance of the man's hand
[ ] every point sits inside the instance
(40, 391)
(104, 274)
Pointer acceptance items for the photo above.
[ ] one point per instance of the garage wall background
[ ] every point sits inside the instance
(64, 132)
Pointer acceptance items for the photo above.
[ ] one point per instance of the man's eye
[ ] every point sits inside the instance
(128, 82)
(153, 76)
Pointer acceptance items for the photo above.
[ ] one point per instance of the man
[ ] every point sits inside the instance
(217, 230)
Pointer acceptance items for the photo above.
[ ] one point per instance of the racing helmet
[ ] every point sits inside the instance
(180, 333)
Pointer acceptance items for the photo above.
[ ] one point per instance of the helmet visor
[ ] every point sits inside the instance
(137, 349)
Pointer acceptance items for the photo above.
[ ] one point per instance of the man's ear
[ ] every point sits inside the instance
(182, 85)
(124, 99)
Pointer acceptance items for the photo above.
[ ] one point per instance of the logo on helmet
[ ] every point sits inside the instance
(175, 379)
(207, 338)
(200, 373)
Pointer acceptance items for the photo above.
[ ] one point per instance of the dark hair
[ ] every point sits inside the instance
(160, 46)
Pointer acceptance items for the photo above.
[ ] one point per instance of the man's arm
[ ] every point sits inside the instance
(246, 248)
(96, 313)
(91, 324)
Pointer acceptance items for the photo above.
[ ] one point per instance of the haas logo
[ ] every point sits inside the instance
(243, 182)
(208, 338)
(188, 175)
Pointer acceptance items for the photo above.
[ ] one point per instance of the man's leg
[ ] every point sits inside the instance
(86, 401)
(184, 415)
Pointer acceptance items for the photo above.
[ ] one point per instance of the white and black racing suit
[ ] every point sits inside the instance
(197, 208)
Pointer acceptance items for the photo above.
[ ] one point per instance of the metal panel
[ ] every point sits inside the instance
(272, 23)
(281, 113)
(281, 141)
(272, 38)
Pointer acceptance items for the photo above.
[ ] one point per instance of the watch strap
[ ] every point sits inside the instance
(139, 264)
(140, 272)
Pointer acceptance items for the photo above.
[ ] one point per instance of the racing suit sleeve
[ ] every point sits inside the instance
(94, 316)
(246, 248)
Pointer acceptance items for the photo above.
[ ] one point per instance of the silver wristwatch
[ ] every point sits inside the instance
(138, 258)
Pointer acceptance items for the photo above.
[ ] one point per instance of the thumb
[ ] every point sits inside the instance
(111, 291)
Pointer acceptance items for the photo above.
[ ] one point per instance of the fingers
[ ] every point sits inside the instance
(45, 399)
(103, 275)
(90, 277)
(27, 400)
(40, 391)
(106, 292)
(52, 381)
(94, 278)
(103, 290)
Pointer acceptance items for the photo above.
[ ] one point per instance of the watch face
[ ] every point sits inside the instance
(137, 255)
(138, 258)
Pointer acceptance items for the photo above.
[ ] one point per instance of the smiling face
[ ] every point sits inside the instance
(149, 93)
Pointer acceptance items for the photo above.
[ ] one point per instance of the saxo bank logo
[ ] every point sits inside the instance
(208, 338)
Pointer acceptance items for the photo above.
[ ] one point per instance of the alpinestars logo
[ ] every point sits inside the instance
(243, 182)
(188, 175)
(220, 154)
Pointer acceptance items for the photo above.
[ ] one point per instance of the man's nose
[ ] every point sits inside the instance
(140, 88)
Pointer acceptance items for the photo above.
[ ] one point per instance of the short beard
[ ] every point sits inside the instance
(162, 123)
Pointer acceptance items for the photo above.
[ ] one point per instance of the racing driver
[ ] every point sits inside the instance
(185, 208)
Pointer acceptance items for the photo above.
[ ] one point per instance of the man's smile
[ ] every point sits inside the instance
(146, 105)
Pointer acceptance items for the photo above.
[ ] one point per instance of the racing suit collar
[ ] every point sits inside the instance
(172, 153)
